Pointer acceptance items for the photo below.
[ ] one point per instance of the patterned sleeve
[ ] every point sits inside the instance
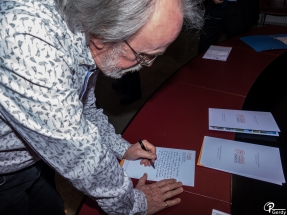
(107, 132)
(39, 100)
(117, 144)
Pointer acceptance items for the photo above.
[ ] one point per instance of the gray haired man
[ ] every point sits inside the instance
(50, 55)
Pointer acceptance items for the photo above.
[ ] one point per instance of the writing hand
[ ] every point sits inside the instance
(135, 152)
(158, 193)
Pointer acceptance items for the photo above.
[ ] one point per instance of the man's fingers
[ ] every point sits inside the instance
(148, 155)
(171, 203)
(145, 162)
(156, 196)
(171, 186)
(172, 193)
(165, 182)
(142, 180)
(151, 148)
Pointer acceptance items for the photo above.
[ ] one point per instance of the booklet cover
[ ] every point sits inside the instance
(170, 163)
(217, 53)
(245, 159)
(252, 122)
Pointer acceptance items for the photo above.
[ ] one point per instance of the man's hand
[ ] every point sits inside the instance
(158, 193)
(135, 152)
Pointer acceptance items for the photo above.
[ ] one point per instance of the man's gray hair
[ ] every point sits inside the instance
(113, 21)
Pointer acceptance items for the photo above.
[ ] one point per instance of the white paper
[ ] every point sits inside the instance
(217, 53)
(245, 159)
(254, 122)
(282, 39)
(170, 163)
(216, 212)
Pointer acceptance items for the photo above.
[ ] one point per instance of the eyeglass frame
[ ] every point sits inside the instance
(143, 62)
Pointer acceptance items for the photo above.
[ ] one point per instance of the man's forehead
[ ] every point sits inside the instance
(163, 26)
(167, 8)
(167, 16)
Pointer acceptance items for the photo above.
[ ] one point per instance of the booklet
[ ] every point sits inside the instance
(245, 159)
(217, 53)
(170, 163)
(251, 122)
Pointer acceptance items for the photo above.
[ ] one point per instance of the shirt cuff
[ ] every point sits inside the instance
(140, 204)
(124, 147)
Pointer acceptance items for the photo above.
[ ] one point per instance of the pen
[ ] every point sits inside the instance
(143, 147)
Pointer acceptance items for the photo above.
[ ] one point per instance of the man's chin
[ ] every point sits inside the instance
(118, 73)
(114, 74)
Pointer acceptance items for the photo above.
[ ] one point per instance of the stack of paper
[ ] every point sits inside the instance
(245, 159)
(252, 122)
(170, 163)
(217, 53)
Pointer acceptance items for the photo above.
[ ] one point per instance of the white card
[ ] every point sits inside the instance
(217, 53)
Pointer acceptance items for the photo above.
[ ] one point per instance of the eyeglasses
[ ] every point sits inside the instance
(145, 59)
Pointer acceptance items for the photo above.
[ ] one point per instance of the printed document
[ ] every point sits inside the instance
(170, 163)
(252, 122)
(245, 159)
(217, 53)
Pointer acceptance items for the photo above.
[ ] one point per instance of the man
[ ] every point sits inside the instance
(50, 54)
(232, 17)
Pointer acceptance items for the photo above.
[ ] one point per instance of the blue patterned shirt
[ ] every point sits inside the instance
(46, 114)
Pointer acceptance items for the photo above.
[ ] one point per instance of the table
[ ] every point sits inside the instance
(176, 116)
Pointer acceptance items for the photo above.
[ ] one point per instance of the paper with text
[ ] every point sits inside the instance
(253, 122)
(245, 159)
(170, 163)
(217, 53)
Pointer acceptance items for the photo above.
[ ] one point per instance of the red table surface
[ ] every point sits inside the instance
(212, 189)
(196, 204)
(236, 75)
(182, 123)
(177, 117)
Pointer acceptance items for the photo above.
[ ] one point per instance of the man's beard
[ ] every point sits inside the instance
(110, 61)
